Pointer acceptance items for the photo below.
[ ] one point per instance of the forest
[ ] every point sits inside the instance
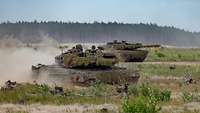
(98, 32)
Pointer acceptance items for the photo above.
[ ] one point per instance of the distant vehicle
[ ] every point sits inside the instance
(128, 52)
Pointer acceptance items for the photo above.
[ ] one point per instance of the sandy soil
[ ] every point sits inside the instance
(76, 108)
(38, 108)
(193, 107)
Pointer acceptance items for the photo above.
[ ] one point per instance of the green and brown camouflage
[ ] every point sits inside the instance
(128, 52)
(90, 58)
(95, 65)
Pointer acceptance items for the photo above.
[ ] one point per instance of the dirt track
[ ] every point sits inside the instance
(76, 108)
(38, 108)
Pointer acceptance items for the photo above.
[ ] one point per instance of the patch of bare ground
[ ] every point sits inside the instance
(193, 107)
(76, 108)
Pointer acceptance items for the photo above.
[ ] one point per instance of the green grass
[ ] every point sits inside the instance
(94, 94)
(164, 70)
(29, 94)
(173, 54)
(11, 111)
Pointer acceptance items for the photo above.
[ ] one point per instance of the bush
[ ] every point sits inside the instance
(140, 105)
(190, 97)
(179, 56)
(165, 95)
(187, 97)
(147, 100)
(155, 94)
(160, 54)
(97, 89)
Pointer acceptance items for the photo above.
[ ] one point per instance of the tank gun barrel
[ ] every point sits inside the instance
(149, 46)
(133, 46)
(137, 46)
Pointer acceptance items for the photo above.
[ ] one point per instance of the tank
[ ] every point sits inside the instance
(88, 59)
(128, 52)
(85, 67)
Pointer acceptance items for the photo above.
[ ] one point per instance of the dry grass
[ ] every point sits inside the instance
(76, 108)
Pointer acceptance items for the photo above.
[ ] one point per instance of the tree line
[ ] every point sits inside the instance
(98, 32)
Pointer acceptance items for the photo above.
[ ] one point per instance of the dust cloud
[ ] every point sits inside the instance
(16, 58)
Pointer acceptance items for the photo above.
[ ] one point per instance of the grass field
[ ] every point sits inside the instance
(161, 83)
(173, 54)
(169, 70)
(166, 92)
(27, 94)
(30, 94)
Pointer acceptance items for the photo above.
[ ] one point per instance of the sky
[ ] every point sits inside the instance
(184, 14)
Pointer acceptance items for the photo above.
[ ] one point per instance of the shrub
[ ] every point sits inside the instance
(165, 95)
(96, 89)
(155, 94)
(187, 97)
(160, 54)
(44, 89)
(190, 97)
(179, 56)
(147, 100)
(140, 105)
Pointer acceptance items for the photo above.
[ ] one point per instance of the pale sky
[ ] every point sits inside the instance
(184, 14)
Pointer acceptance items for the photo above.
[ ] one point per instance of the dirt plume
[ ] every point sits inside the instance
(16, 58)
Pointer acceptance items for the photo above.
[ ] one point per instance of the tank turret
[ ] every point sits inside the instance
(129, 52)
(128, 46)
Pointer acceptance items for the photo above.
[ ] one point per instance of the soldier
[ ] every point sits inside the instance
(72, 50)
(93, 50)
(79, 48)
(99, 51)
(115, 41)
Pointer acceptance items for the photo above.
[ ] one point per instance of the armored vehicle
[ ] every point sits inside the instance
(128, 52)
(94, 64)
(90, 65)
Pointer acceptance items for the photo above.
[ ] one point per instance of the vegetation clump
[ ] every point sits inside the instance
(147, 101)
(190, 97)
